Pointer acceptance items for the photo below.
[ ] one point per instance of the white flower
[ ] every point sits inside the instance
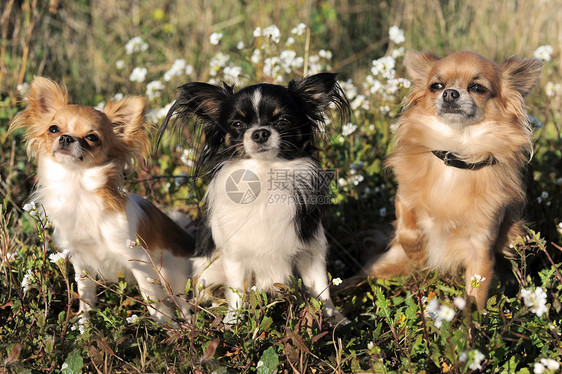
(336, 281)
(359, 102)
(132, 319)
(370, 345)
(384, 66)
(178, 68)
(138, 75)
(64, 366)
(431, 311)
(118, 96)
(538, 368)
(459, 302)
(396, 35)
(543, 52)
(81, 325)
(476, 280)
(560, 227)
(257, 32)
(439, 313)
(22, 89)
(259, 364)
(254, 288)
(356, 179)
(29, 206)
(398, 52)
(256, 56)
(349, 88)
(348, 129)
(432, 307)
(217, 62)
(100, 106)
(136, 44)
(550, 364)
(153, 89)
(536, 300)
(446, 313)
(156, 115)
(290, 41)
(231, 73)
(272, 32)
(26, 281)
(215, 38)
(187, 157)
(299, 30)
(240, 45)
(56, 257)
(477, 358)
(325, 54)
(120, 65)
(552, 89)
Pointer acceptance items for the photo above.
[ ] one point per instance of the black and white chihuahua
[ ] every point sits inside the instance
(263, 208)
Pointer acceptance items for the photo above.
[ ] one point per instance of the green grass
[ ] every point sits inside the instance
(392, 330)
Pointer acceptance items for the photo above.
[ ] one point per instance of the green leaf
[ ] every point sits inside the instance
(266, 323)
(268, 362)
(73, 363)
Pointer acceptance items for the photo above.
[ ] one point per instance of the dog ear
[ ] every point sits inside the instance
(45, 97)
(128, 116)
(418, 65)
(318, 92)
(201, 100)
(521, 73)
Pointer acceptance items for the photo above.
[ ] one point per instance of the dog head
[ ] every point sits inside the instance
(262, 121)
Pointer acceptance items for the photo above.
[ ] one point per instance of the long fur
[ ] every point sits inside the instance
(261, 130)
(80, 186)
(450, 218)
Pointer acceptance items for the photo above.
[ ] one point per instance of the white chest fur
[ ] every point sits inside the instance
(252, 207)
(95, 236)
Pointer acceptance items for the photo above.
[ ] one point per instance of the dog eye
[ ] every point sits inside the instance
(237, 124)
(281, 122)
(477, 88)
(92, 137)
(436, 87)
(54, 129)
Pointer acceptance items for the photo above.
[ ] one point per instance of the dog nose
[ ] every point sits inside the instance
(450, 95)
(261, 135)
(65, 140)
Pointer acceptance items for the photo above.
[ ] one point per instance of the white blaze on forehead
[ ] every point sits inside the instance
(256, 98)
(72, 125)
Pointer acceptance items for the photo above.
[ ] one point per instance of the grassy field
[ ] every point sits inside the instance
(409, 324)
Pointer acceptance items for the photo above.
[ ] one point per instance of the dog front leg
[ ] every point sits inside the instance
(153, 292)
(312, 269)
(234, 290)
(407, 247)
(479, 268)
(87, 289)
(408, 233)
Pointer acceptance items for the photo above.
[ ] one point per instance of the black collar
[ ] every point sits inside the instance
(450, 159)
